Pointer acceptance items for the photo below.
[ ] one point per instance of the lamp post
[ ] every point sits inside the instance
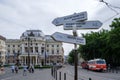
(17, 63)
(38, 59)
(45, 51)
(28, 39)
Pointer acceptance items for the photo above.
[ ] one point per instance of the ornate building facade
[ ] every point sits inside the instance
(2, 50)
(35, 48)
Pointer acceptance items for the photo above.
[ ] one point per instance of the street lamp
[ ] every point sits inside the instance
(45, 52)
(28, 52)
(17, 60)
(28, 39)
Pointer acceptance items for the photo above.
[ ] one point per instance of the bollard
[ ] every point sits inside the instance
(52, 71)
(56, 74)
(59, 75)
(90, 79)
(64, 76)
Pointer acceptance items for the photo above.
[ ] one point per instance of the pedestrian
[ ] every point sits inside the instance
(13, 68)
(109, 67)
(24, 70)
(16, 69)
(40, 66)
(31, 68)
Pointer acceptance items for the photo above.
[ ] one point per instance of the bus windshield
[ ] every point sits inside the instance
(101, 62)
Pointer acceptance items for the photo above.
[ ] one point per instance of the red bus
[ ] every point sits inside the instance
(97, 65)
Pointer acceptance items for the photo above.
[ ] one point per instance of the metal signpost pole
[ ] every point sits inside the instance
(75, 54)
(74, 22)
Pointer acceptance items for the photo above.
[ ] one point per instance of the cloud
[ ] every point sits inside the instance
(16, 16)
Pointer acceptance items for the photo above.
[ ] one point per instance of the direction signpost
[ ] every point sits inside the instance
(74, 22)
(75, 17)
(83, 25)
(68, 38)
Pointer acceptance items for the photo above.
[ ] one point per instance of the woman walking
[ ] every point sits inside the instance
(24, 70)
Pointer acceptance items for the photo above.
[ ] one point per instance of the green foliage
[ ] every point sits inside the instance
(71, 57)
(115, 23)
(38, 67)
(103, 44)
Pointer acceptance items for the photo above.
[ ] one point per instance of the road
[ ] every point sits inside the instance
(45, 74)
(84, 74)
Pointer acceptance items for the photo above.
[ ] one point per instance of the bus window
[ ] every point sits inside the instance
(101, 62)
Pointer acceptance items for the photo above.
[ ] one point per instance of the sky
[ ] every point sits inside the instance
(17, 16)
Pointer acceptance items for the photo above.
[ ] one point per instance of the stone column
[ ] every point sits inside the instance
(36, 60)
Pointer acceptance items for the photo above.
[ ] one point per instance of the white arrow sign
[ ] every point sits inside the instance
(83, 25)
(68, 38)
(75, 17)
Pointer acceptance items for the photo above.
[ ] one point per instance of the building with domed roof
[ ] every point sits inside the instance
(35, 48)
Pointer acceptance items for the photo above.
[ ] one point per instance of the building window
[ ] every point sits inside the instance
(26, 49)
(57, 51)
(0, 55)
(52, 45)
(31, 49)
(52, 51)
(25, 43)
(18, 51)
(42, 50)
(57, 45)
(47, 50)
(18, 45)
(13, 51)
(8, 45)
(36, 44)
(47, 45)
(13, 45)
(8, 51)
(36, 49)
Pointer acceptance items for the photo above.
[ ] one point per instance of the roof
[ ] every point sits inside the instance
(32, 33)
(3, 38)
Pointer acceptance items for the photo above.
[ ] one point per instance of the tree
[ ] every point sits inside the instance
(95, 45)
(114, 42)
(71, 57)
(103, 44)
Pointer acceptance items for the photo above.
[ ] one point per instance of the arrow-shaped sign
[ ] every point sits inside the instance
(68, 38)
(75, 17)
(83, 25)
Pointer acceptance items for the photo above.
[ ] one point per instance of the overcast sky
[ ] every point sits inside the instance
(17, 16)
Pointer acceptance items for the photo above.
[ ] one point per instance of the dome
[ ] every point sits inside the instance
(32, 33)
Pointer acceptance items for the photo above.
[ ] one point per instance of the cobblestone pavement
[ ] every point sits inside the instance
(43, 74)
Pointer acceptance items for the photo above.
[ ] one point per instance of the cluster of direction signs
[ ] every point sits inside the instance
(77, 19)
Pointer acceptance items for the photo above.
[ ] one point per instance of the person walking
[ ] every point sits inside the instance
(24, 70)
(12, 68)
(31, 68)
(16, 69)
